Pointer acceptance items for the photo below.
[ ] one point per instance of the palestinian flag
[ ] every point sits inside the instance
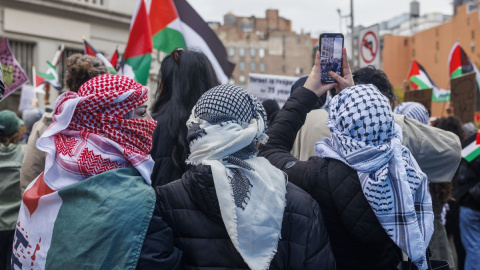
(114, 60)
(472, 149)
(459, 64)
(83, 225)
(175, 24)
(419, 80)
(138, 53)
(50, 77)
(91, 51)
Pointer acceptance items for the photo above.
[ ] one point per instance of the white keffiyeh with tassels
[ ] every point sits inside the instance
(223, 130)
(365, 136)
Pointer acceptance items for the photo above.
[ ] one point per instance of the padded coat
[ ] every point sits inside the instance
(358, 240)
(190, 207)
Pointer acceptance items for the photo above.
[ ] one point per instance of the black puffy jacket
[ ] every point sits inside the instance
(190, 207)
(358, 240)
(466, 183)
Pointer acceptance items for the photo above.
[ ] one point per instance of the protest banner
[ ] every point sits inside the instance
(266, 86)
(463, 96)
(26, 97)
(13, 74)
(423, 97)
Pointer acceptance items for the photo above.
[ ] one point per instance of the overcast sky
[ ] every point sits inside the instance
(317, 16)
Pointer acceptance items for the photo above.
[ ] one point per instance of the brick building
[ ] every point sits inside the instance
(431, 49)
(264, 45)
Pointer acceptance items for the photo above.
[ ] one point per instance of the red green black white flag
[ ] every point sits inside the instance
(419, 80)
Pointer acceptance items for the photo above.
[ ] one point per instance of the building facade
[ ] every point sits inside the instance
(264, 45)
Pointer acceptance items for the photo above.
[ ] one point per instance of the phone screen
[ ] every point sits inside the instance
(331, 46)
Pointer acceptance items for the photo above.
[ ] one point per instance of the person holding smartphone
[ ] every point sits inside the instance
(337, 181)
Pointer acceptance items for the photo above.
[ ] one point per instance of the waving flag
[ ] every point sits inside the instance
(91, 51)
(419, 80)
(13, 74)
(50, 77)
(175, 24)
(114, 60)
(459, 64)
(137, 56)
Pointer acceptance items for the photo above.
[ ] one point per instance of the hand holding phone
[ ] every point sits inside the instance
(331, 56)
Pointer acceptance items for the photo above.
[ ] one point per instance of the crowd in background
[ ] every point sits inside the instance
(211, 178)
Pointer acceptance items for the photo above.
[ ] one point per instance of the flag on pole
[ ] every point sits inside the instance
(91, 51)
(138, 53)
(419, 80)
(114, 60)
(175, 24)
(13, 74)
(50, 77)
(459, 64)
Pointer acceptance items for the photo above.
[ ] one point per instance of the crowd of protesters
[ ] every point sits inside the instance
(340, 177)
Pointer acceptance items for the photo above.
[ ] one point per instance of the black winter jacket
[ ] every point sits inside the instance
(466, 182)
(190, 207)
(358, 240)
(164, 170)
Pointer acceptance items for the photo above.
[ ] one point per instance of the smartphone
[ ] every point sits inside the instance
(331, 46)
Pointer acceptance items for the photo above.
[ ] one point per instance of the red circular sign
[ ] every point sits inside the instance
(365, 43)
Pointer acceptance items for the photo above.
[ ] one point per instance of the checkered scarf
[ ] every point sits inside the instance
(89, 135)
(365, 136)
(223, 131)
(414, 110)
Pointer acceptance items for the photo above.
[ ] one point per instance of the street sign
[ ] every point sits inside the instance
(369, 47)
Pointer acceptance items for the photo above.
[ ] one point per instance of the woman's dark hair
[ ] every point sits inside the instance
(452, 124)
(184, 76)
(371, 75)
(81, 68)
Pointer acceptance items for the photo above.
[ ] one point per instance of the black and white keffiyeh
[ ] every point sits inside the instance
(223, 131)
(365, 136)
(414, 110)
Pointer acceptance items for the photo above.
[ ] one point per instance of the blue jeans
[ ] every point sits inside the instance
(470, 235)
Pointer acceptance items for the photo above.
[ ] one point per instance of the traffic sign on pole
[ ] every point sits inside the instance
(369, 48)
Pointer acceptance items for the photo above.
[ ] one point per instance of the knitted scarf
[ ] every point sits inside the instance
(223, 130)
(365, 136)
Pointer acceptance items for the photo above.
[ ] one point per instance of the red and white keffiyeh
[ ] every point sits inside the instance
(89, 134)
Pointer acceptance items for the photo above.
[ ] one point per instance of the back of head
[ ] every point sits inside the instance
(184, 76)
(9, 127)
(271, 107)
(452, 124)
(371, 75)
(414, 110)
(81, 68)
(300, 82)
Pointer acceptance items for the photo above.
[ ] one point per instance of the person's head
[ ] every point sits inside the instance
(414, 110)
(183, 77)
(11, 127)
(30, 117)
(271, 107)
(452, 124)
(371, 75)
(300, 82)
(81, 68)
(223, 110)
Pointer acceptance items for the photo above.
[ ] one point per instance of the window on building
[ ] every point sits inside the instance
(472, 47)
(436, 58)
(231, 51)
(241, 79)
(252, 66)
(405, 42)
(469, 21)
(241, 66)
(473, 34)
(23, 52)
(437, 32)
(231, 80)
(298, 70)
(261, 52)
(413, 52)
(253, 52)
(241, 51)
(299, 41)
(284, 69)
(437, 45)
(62, 72)
(261, 66)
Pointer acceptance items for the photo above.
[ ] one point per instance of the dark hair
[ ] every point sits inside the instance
(271, 107)
(371, 75)
(81, 68)
(452, 124)
(179, 88)
(299, 83)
